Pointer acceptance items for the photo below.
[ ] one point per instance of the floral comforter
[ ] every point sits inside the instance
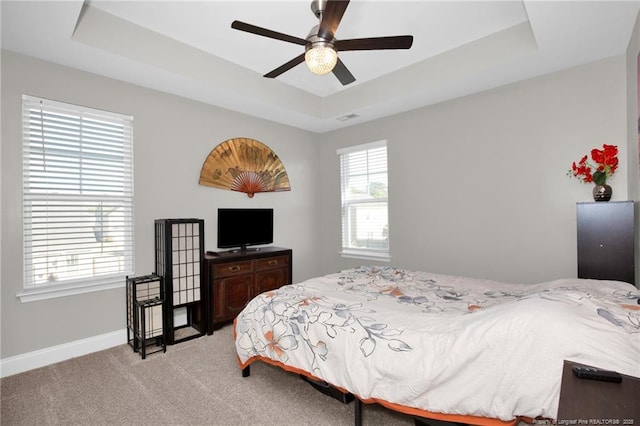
(442, 343)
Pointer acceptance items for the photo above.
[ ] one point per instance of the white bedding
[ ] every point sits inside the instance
(441, 343)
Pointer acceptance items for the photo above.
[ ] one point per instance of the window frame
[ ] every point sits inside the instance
(115, 187)
(363, 253)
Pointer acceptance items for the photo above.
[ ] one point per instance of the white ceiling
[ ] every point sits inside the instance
(188, 48)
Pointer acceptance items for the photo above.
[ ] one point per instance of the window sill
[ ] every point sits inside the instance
(380, 257)
(43, 293)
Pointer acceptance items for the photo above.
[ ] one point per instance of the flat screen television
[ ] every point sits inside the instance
(239, 228)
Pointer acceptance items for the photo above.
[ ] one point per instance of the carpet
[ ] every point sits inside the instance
(196, 382)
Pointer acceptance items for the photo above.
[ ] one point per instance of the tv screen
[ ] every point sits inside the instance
(244, 227)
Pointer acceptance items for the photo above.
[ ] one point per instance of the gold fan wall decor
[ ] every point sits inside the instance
(244, 165)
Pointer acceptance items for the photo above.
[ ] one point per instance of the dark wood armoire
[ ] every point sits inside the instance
(606, 240)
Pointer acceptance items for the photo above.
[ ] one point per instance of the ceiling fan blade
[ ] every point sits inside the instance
(331, 18)
(375, 43)
(243, 26)
(285, 67)
(343, 74)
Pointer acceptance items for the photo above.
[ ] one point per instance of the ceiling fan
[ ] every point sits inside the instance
(321, 47)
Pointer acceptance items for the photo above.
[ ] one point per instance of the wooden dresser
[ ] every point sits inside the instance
(234, 278)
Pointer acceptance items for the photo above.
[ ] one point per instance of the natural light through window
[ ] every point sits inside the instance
(365, 217)
(77, 195)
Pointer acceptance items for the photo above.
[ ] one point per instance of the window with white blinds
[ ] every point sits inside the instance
(77, 195)
(365, 213)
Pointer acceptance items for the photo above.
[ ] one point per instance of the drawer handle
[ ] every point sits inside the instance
(235, 268)
(273, 262)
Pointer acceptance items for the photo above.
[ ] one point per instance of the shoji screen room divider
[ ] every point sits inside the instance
(179, 259)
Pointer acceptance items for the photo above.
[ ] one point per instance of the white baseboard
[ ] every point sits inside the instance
(47, 356)
(43, 357)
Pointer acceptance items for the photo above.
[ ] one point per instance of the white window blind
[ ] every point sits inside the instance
(77, 195)
(365, 217)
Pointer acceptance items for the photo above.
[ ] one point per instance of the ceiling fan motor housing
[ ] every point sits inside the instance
(314, 41)
(318, 8)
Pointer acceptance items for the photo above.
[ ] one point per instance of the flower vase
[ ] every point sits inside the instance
(602, 192)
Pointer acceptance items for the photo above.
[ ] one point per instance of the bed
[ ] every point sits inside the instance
(443, 347)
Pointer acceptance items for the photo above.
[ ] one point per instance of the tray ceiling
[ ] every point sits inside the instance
(189, 49)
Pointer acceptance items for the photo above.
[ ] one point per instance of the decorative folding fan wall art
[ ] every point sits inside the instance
(244, 165)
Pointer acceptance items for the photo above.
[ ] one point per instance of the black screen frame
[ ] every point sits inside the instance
(243, 227)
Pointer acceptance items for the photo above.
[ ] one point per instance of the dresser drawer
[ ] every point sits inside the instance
(272, 262)
(234, 268)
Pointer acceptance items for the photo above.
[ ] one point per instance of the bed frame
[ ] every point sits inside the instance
(346, 398)
(246, 372)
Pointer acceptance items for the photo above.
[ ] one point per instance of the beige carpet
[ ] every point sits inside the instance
(197, 382)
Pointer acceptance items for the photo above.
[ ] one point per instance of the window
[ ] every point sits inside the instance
(365, 213)
(77, 198)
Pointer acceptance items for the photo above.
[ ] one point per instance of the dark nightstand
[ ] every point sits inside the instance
(593, 402)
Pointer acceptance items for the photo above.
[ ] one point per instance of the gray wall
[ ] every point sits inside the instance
(172, 138)
(478, 185)
(633, 125)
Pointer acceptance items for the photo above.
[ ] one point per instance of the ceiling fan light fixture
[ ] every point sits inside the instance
(321, 59)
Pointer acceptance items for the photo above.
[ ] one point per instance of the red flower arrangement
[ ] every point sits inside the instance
(606, 160)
